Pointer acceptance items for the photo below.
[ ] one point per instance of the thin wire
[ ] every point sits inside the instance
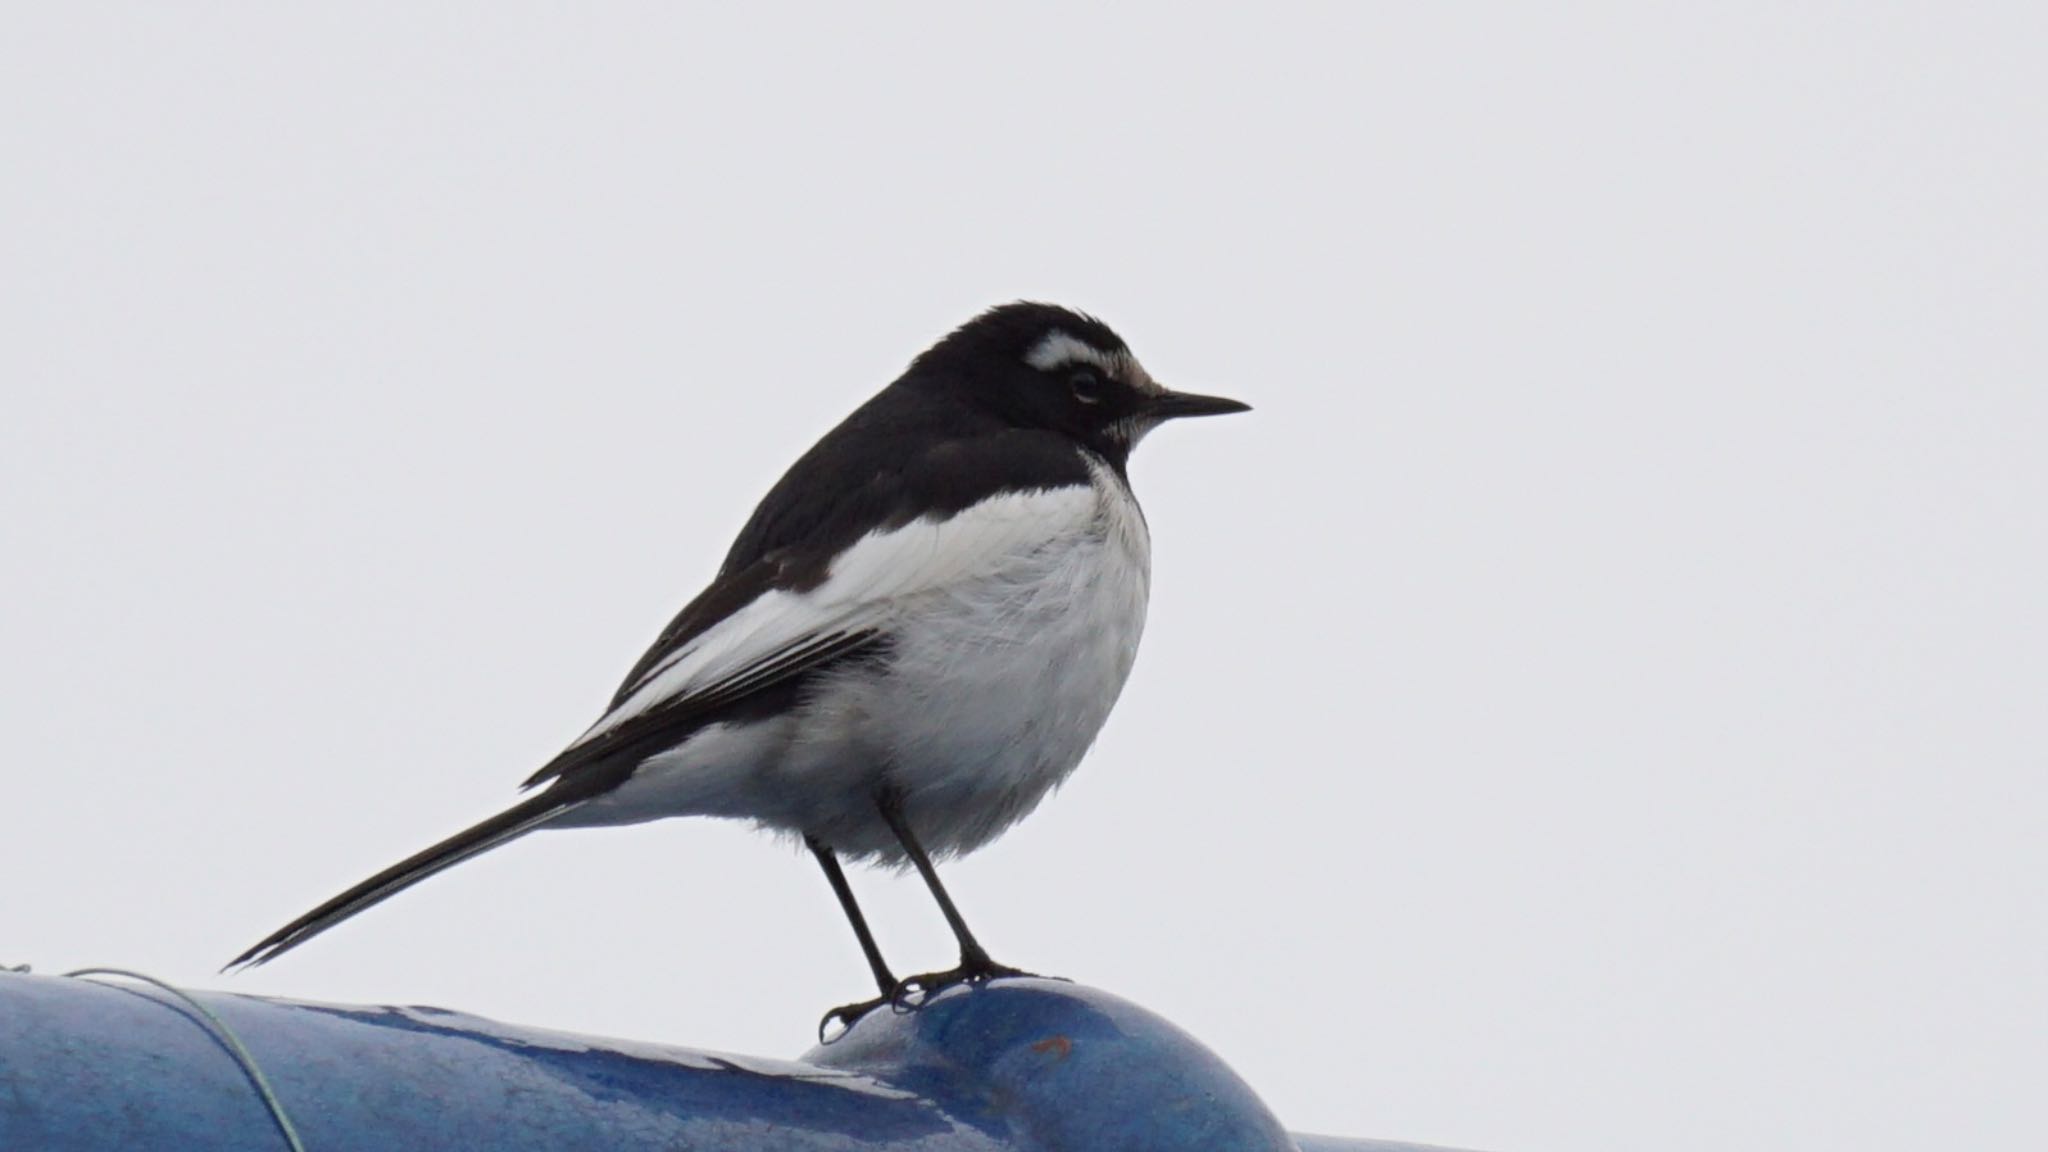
(227, 1037)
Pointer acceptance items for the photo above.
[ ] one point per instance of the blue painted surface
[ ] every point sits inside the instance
(1014, 1064)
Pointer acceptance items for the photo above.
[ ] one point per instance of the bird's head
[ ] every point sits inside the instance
(1045, 367)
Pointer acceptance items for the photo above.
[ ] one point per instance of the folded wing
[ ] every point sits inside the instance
(703, 667)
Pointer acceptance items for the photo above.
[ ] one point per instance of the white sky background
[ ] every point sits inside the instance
(1595, 702)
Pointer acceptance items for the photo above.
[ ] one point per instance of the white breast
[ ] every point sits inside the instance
(997, 685)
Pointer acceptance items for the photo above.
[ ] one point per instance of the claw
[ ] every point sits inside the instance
(845, 1017)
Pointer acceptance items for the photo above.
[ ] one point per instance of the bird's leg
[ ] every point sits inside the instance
(975, 962)
(829, 861)
(844, 1015)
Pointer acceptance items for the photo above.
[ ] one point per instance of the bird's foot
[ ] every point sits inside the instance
(839, 1021)
(913, 990)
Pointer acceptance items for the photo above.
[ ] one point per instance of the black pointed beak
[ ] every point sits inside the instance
(1173, 405)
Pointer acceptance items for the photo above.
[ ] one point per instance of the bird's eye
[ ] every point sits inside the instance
(1087, 385)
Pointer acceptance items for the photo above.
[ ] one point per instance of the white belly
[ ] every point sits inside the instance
(993, 689)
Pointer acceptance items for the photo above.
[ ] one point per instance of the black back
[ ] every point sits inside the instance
(946, 434)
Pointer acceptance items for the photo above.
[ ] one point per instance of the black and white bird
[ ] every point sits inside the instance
(915, 637)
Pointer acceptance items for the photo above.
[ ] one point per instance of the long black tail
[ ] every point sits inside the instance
(506, 826)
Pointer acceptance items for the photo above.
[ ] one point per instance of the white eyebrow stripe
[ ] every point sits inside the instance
(1059, 348)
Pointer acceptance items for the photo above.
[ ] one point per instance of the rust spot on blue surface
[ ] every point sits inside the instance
(1059, 1046)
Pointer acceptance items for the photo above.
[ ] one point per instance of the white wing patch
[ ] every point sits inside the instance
(882, 575)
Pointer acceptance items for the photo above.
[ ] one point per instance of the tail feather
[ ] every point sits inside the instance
(506, 826)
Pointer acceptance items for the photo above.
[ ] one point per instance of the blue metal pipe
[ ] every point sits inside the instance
(1013, 1064)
